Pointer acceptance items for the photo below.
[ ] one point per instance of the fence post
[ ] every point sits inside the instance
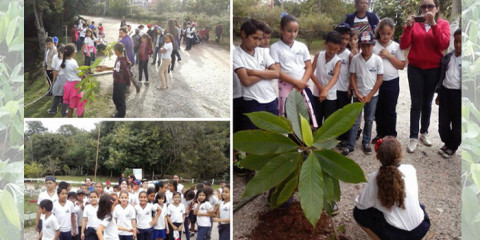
(192, 180)
(213, 181)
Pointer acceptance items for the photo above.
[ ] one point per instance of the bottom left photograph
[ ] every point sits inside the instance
(92, 179)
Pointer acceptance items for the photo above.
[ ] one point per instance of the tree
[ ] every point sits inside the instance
(313, 25)
(34, 127)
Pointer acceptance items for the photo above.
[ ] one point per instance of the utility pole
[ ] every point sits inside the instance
(98, 146)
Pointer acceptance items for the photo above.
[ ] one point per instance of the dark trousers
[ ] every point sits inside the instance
(237, 114)
(89, 60)
(342, 100)
(50, 77)
(254, 106)
(156, 54)
(175, 54)
(374, 220)
(422, 84)
(136, 51)
(91, 234)
(123, 237)
(55, 102)
(145, 234)
(79, 234)
(65, 236)
(323, 109)
(118, 96)
(189, 43)
(450, 117)
(143, 67)
(202, 233)
(224, 231)
(170, 234)
(386, 111)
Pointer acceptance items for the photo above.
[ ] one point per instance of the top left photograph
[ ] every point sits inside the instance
(127, 59)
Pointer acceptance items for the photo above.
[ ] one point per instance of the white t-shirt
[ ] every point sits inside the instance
(389, 71)
(168, 50)
(344, 78)
(49, 228)
(56, 64)
(90, 43)
(203, 221)
(406, 219)
(111, 230)
(176, 212)
(90, 212)
(292, 59)
(362, 24)
(70, 70)
(144, 215)
(161, 220)
(124, 217)
(237, 85)
(169, 196)
(366, 72)
(180, 187)
(213, 200)
(190, 32)
(78, 215)
(108, 191)
(225, 209)
(44, 195)
(453, 77)
(81, 31)
(64, 215)
(324, 72)
(262, 91)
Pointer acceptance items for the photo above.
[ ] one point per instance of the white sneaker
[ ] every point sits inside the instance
(425, 140)
(412, 145)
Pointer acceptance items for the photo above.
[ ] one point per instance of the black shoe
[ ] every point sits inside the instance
(342, 145)
(49, 94)
(375, 139)
(49, 111)
(359, 132)
(448, 153)
(179, 59)
(346, 151)
(367, 149)
(442, 149)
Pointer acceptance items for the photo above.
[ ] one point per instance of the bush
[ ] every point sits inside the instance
(33, 170)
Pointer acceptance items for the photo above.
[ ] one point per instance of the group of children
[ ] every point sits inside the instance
(131, 212)
(363, 65)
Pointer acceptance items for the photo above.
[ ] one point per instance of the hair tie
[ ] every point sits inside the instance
(377, 144)
(111, 200)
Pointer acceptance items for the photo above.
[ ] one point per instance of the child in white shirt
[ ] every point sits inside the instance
(51, 229)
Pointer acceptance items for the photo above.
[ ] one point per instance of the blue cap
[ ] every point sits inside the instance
(55, 39)
(343, 27)
(366, 38)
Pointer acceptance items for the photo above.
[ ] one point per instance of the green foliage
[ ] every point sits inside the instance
(313, 25)
(118, 8)
(34, 170)
(286, 155)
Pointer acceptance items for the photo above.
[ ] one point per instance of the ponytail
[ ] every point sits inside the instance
(68, 51)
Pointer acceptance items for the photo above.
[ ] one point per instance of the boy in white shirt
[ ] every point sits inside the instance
(64, 212)
(108, 189)
(366, 77)
(50, 194)
(79, 206)
(51, 229)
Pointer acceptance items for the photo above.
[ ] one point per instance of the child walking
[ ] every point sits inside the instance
(144, 212)
(64, 211)
(121, 79)
(449, 99)
(90, 220)
(160, 230)
(166, 51)
(71, 95)
(366, 77)
(58, 83)
(389, 207)
(176, 214)
(393, 60)
(51, 229)
(89, 49)
(125, 216)
(326, 70)
(204, 210)
(223, 214)
(143, 55)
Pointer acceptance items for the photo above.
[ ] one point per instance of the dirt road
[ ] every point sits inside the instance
(439, 182)
(199, 86)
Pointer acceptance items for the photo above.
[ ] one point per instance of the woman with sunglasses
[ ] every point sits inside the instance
(427, 36)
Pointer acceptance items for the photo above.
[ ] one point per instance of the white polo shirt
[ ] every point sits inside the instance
(203, 221)
(225, 209)
(262, 91)
(64, 215)
(111, 230)
(49, 228)
(366, 72)
(44, 195)
(78, 214)
(344, 78)
(144, 215)
(176, 212)
(324, 73)
(124, 217)
(453, 77)
(90, 212)
(70, 70)
(292, 59)
(161, 220)
(389, 71)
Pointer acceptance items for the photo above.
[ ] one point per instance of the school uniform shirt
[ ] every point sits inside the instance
(144, 215)
(366, 72)
(213, 200)
(168, 50)
(292, 59)
(389, 71)
(64, 215)
(190, 31)
(262, 91)
(111, 230)
(70, 70)
(180, 187)
(56, 65)
(225, 209)
(176, 212)
(78, 214)
(161, 220)
(90, 212)
(203, 221)
(324, 73)
(50, 226)
(453, 78)
(82, 31)
(169, 196)
(124, 217)
(44, 195)
(108, 191)
(90, 44)
(344, 77)
(406, 219)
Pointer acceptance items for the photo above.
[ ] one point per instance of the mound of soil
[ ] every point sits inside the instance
(290, 223)
(100, 68)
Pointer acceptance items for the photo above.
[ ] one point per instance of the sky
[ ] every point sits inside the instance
(54, 123)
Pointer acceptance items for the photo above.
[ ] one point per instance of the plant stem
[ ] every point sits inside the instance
(333, 228)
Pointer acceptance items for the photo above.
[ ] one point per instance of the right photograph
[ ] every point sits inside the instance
(347, 119)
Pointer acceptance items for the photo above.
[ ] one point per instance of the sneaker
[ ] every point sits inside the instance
(425, 140)
(367, 149)
(342, 145)
(49, 111)
(442, 149)
(359, 133)
(147, 82)
(448, 153)
(179, 59)
(412, 145)
(139, 82)
(192, 234)
(375, 139)
(346, 151)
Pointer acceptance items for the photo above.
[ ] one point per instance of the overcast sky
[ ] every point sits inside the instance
(54, 123)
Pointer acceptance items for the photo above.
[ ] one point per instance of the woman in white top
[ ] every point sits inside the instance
(388, 207)
(223, 214)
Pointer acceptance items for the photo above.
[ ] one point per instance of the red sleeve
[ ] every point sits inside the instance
(406, 38)
(441, 31)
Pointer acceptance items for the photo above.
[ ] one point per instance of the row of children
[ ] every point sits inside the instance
(340, 72)
(152, 214)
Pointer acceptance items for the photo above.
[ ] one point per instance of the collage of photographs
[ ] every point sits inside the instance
(239, 119)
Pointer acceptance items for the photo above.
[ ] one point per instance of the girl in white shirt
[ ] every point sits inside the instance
(160, 230)
(89, 49)
(144, 212)
(90, 221)
(223, 214)
(58, 83)
(108, 229)
(176, 215)
(204, 210)
(125, 216)
(71, 95)
(388, 207)
(166, 59)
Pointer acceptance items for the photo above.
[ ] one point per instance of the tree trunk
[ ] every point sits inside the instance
(42, 35)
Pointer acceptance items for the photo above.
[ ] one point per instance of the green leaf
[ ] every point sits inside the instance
(11, 30)
(336, 189)
(306, 132)
(10, 209)
(260, 142)
(310, 189)
(256, 162)
(295, 106)
(95, 64)
(475, 169)
(340, 167)
(272, 174)
(328, 144)
(83, 68)
(285, 190)
(270, 122)
(338, 123)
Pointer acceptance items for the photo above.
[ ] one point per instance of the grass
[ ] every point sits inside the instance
(30, 207)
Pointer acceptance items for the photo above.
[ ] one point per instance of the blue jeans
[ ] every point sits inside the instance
(369, 112)
(145, 234)
(202, 233)
(224, 231)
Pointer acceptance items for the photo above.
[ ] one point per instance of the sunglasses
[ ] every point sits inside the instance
(429, 6)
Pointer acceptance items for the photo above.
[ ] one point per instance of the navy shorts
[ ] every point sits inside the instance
(159, 233)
